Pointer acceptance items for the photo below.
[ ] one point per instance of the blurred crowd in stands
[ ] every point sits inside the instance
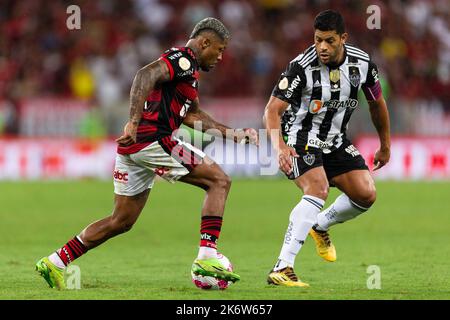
(39, 56)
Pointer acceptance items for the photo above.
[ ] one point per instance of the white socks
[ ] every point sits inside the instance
(341, 210)
(206, 253)
(302, 218)
(56, 260)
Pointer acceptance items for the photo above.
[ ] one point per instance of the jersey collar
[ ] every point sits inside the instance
(191, 53)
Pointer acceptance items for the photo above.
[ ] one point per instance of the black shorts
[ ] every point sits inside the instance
(344, 159)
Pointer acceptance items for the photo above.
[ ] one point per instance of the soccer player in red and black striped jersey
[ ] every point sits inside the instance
(163, 96)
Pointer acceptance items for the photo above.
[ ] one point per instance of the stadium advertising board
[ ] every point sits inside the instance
(411, 159)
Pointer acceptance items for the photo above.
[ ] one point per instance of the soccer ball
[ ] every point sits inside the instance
(212, 283)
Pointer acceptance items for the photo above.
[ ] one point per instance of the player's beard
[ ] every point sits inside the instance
(333, 60)
(339, 53)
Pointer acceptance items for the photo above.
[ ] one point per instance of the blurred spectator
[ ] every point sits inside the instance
(39, 56)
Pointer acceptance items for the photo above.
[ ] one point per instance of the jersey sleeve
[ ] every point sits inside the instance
(372, 87)
(180, 64)
(372, 75)
(290, 84)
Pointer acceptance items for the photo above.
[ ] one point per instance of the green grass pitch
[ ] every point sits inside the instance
(406, 234)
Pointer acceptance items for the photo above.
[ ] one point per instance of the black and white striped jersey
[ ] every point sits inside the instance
(321, 98)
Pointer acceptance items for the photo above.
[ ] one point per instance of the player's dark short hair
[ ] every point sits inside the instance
(211, 24)
(329, 20)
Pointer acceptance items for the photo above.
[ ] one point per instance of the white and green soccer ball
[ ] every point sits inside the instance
(212, 283)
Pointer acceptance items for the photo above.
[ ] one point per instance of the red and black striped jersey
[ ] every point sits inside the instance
(166, 106)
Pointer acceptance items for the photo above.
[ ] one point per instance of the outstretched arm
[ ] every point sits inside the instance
(144, 82)
(380, 118)
(195, 114)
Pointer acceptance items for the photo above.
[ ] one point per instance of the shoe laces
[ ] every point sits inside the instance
(324, 236)
(289, 272)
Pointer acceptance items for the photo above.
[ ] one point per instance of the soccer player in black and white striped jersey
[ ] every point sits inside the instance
(312, 104)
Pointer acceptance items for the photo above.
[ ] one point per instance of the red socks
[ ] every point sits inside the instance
(210, 231)
(71, 250)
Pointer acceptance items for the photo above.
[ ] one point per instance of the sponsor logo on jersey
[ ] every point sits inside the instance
(351, 150)
(309, 159)
(315, 106)
(184, 63)
(283, 84)
(336, 104)
(293, 86)
(175, 55)
(287, 120)
(335, 75)
(186, 73)
(375, 74)
(317, 143)
(161, 171)
(355, 79)
(120, 176)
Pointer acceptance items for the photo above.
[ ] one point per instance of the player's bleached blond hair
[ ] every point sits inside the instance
(211, 24)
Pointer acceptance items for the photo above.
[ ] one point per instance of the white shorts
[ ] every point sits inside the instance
(135, 173)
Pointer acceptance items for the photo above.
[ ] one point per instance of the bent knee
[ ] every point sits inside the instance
(319, 190)
(367, 198)
(221, 180)
(321, 193)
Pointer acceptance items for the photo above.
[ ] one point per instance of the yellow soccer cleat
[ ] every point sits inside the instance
(285, 277)
(324, 247)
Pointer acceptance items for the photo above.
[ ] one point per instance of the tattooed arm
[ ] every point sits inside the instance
(144, 82)
(206, 122)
